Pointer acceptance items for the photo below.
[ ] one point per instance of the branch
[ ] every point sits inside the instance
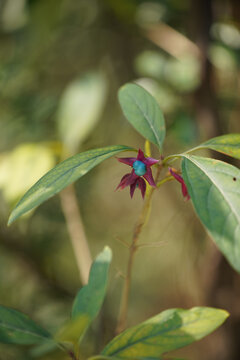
(76, 231)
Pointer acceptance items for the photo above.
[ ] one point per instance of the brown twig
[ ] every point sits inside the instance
(76, 231)
(172, 41)
(72, 355)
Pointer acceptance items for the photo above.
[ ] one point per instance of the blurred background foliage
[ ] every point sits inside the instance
(61, 64)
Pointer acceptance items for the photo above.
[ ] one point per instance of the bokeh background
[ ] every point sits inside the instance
(61, 64)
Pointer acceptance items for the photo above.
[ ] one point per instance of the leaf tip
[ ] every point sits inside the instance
(11, 219)
(225, 313)
(107, 250)
(105, 255)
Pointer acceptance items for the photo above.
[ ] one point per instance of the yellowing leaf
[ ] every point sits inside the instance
(73, 329)
(168, 331)
(227, 144)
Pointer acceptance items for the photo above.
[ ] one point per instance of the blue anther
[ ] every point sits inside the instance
(139, 168)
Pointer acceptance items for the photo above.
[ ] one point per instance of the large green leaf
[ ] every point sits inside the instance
(214, 187)
(89, 299)
(170, 330)
(62, 175)
(226, 144)
(143, 112)
(18, 328)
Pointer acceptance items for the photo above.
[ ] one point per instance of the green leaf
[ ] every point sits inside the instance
(61, 176)
(101, 357)
(226, 144)
(143, 112)
(89, 299)
(214, 189)
(18, 328)
(80, 108)
(168, 331)
(43, 349)
(73, 329)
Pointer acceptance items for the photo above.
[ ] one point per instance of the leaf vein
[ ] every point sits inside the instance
(148, 120)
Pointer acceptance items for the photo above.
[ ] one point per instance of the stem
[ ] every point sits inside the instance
(69, 352)
(75, 226)
(122, 320)
(166, 179)
(171, 158)
(151, 244)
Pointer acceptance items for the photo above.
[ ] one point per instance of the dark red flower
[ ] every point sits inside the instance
(141, 169)
(181, 181)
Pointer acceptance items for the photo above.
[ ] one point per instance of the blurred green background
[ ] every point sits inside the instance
(61, 64)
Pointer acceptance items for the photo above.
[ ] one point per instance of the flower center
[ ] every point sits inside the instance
(139, 168)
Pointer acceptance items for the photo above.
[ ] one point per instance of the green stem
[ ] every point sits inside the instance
(174, 157)
(122, 320)
(168, 178)
(199, 147)
(171, 158)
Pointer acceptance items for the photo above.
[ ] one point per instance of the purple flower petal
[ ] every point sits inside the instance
(150, 161)
(185, 192)
(123, 181)
(148, 176)
(127, 161)
(132, 188)
(181, 181)
(132, 178)
(176, 176)
(142, 186)
(147, 161)
(140, 155)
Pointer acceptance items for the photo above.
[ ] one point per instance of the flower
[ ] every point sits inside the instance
(141, 169)
(181, 181)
